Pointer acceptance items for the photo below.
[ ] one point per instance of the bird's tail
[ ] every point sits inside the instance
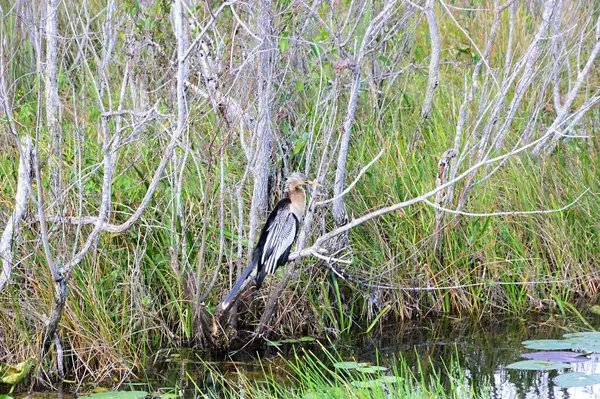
(238, 285)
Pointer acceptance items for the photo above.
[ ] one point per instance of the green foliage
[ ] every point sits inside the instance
(312, 377)
(117, 395)
(547, 344)
(126, 299)
(538, 365)
(13, 374)
(571, 380)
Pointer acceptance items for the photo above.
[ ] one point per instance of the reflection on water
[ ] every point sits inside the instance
(483, 349)
(428, 348)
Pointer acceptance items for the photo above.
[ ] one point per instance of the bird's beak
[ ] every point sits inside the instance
(314, 183)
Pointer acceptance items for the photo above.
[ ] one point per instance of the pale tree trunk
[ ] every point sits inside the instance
(55, 170)
(375, 26)
(260, 194)
(434, 60)
(441, 200)
(11, 231)
(339, 210)
(178, 244)
(52, 110)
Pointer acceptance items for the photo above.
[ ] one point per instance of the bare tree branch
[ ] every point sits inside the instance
(11, 231)
(434, 58)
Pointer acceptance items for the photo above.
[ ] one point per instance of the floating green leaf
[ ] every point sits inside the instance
(346, 365)
(588, 335)
(290, 341)
(586, 347)
(362, 367)
(117, 395)
(571, 380)
(547, 344)
(12, 374)
(540, 365)
(557, 356)
(350, 365)
(371, 369)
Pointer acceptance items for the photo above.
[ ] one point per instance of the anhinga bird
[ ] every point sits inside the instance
(277, 235)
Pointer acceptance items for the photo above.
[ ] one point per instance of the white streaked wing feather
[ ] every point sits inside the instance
(274, 232)
(286, 233)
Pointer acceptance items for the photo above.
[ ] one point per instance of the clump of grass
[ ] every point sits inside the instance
(314, 375)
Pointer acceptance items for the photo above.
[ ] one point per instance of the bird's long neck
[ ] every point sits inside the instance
(298, 201)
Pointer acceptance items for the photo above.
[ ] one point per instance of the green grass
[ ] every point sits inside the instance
(125, 299)
(307, 375)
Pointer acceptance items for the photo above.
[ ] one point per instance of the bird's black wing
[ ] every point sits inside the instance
(267, 248)
(276, 240)
(282, 205)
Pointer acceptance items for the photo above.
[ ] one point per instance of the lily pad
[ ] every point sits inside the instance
(117, 395)
(588, 335)
(540, 365)
(346, 365)
(290, 341)
(547, 344)
(557, 356)
(371, 369)
(586, 347)
(571, 380)
(13, 374)
(281, 342)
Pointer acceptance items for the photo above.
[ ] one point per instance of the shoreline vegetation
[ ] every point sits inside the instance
(143, 144)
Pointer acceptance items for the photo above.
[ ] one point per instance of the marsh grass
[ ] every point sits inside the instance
(308, 375)
(125, 301)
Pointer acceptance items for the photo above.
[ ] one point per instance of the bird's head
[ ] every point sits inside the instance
(296, 180)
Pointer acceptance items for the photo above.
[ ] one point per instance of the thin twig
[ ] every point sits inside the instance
(509, 213)
(351, 185)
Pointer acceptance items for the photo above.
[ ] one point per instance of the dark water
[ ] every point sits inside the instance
(482, 350)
